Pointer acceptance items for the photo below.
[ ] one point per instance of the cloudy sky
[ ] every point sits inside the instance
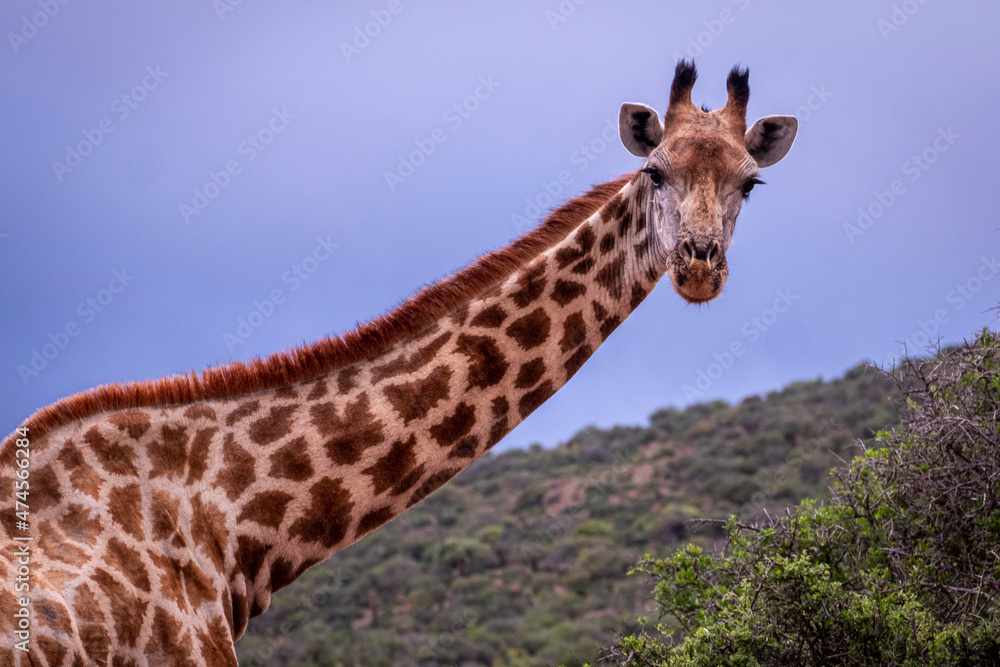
(193, 182)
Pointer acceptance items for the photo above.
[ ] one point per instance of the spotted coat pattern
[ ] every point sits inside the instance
(159, 532)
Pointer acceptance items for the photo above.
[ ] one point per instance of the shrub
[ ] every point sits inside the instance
(902, 567)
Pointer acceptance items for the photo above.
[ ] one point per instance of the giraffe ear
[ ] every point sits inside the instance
(769, 139)
(640, 129)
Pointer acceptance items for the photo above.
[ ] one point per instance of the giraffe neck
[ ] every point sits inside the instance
(168, 525)
(368, 441)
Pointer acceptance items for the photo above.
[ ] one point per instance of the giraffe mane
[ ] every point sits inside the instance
(306, 362)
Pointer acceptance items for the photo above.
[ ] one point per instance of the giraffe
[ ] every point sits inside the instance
(164, 514)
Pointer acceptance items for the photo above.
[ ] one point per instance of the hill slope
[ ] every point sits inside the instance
(522, 559)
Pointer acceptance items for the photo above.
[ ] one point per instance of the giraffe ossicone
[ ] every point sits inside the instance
(164, 514)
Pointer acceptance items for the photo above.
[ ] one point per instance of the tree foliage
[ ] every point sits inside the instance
(900, 567)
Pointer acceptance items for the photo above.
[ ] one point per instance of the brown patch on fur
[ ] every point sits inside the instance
(56, 548)
(454, 426)
(91, 625)
(311, 361)
(585, 241)
(413, 400)
(282, 573)
(80, 525)
(116, 458)
(566, 290)
(243, 411)
(373, 520)
(318, 391)
(82, 475)
(432, 484)
(286, 392)
(125, 506)
(266, 508)
(292, 461)
(574, 332)
(600, 313)
(408, 364)
(531, 372)
(134, 422)
(45, 491)
(407, 483)
(348, 436)
(458, 316)
(327, 519)
(198, 461)
(530, 284)
(168, 456)
(584, 266)
(612, 276)
(573, 364)
(609, 325)
(127, 561)
(170, 644)
(489, 318)
(466, 448)
(534, 398)
(531, 330)
(487, 364)
(250, 556)
(393, 467)
(607, 243)
(165, 509)
(53, 651)
(500, 406)
(497, 432)
(127, 609)
(238, 469)
(208, 530)
(347, 379)
(276, 425)
(638, 294)
(217, 644)
(200, 411)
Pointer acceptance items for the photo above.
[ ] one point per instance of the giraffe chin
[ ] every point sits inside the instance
(699, 282)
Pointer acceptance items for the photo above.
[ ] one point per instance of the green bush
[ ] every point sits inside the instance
(901, 567)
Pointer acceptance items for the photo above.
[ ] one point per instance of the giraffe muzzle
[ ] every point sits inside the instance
(698, 269)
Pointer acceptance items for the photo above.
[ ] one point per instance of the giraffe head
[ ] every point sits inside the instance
(700, 166)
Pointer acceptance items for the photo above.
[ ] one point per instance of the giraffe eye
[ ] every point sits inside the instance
(748, 186)
(654, 176)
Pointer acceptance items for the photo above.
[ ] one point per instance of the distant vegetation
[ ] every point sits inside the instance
(900, 567)
(523, 558)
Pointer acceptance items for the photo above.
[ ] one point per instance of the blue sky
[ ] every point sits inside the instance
(229, 162)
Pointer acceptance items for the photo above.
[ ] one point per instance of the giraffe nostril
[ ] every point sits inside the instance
(714, 252)
(687, 250)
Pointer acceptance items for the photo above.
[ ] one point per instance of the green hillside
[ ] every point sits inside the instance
(522, 559)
